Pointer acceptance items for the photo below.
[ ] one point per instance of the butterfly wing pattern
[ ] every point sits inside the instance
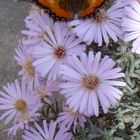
(69, 8)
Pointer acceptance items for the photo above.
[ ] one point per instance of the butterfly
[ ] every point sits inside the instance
(70, 8)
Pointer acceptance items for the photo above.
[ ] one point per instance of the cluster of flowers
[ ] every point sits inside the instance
(53, 59)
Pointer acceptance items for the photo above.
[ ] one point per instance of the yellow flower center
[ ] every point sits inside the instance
(91, 82)
(101, 16)
(20, 105)
(29, 69)
(42, 94)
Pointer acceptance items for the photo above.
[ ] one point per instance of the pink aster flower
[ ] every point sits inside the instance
(38, 24)
(89, 81)
(47, 90)
(131, 25)
(71, 119)
(104, 25)
(51, 54)
(17, 101)
(25, 60)
(48, 132)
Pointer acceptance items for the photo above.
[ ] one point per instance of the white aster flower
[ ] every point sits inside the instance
(25, 60)
(38, 24)
(17, 101)
(47, 132)
(89, 81)
(47, 90)
(104, 25)
(71, 119)
(131, 25)
(51, 54)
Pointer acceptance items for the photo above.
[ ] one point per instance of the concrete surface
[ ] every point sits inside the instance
(12, 16)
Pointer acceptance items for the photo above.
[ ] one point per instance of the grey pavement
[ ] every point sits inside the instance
(12, 16)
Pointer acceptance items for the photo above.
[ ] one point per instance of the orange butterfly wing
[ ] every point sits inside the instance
(54, 6)
(93, 4)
